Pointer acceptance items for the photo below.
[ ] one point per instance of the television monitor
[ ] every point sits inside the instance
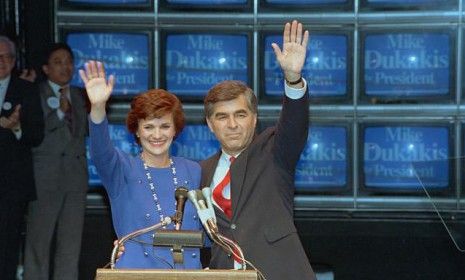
(107, 4)
(126, 54)
(403, 158)
(324, 164)
(192, 62)
(122, 140)
(407, 4)
(408, 66)
(307, 4)
(195, 142)
(327, 69)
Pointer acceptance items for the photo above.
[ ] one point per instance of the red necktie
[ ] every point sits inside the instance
(223, 202)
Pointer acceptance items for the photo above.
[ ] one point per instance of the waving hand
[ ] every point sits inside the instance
(292, 56)
(97, 87)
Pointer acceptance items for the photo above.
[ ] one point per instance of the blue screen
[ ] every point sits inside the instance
(325, 66)
(122, 2)
(196, 62)
(122, 140)
(311, 2)
(407, 64)
(396, 157)
(196, 142)
(126, 55)
(207, 2)
(323, 162)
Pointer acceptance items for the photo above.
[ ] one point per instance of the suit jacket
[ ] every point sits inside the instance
(60, 160)
(16, 171)
(262, 192)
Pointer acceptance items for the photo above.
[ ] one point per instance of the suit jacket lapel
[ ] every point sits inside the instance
(208, 170)
(237, 170)
(48, 93)
(75, 103)
(12, 97)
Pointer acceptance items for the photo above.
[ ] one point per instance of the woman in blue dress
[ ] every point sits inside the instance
(141, 188)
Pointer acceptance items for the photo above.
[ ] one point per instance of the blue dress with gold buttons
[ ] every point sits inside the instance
(132, 203)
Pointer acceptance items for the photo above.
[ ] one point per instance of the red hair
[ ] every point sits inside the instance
(155, 103)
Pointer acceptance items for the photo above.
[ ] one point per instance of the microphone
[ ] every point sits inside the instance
(205, 210)
(180, 195)
(202, 200)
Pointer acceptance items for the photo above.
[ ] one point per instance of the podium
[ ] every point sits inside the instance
(174, 274)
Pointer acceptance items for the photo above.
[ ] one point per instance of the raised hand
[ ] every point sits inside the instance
(97, 87)
(292, 57)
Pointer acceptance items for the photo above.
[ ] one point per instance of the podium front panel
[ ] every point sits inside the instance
(174, 274)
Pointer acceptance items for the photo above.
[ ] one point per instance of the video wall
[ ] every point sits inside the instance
(385, 80)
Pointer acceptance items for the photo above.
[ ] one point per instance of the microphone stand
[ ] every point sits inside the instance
(136, 233)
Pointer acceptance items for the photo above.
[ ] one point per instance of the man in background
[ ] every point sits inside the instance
(61, 177)
(252, 177)
(21, 128)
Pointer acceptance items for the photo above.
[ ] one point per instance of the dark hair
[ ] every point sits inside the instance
(226, 91)
(155, 103)
(53, 47)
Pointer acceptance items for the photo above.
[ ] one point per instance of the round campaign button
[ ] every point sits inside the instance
(53, 102)
(6, 106)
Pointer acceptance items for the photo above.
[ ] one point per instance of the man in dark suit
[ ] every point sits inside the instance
(60, 166)
(254, 194)
(21, 128)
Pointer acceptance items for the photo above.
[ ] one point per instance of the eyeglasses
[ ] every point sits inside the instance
(6, 57)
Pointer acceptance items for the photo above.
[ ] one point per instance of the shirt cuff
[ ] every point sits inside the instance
(295, 93)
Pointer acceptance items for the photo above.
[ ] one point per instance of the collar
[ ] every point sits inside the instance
(225, 156)
(5, 81)
(56, 87)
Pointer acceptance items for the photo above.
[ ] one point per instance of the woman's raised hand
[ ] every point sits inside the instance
(97, 87)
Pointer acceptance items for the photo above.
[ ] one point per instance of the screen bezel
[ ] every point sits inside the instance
(269, 7)
(367, 190)
(375, 99)
(365, 5)
(65, 31)
(198, 99)
(347, 98)
(171, 7)
(148, 5)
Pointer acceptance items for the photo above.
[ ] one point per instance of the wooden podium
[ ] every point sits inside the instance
(174, 274)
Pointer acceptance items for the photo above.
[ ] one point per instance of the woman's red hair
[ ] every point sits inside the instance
(155, 103)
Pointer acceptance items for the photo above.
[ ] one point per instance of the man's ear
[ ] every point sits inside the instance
(209, 124)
